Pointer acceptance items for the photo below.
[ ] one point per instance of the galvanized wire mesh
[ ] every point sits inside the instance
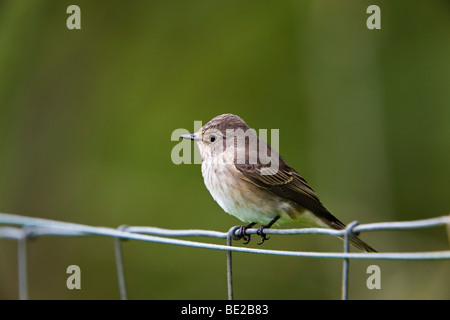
(22, 228)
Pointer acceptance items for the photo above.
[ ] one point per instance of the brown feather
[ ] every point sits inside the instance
(288, 184)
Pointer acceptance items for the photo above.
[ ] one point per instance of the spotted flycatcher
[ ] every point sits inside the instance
(254, 183)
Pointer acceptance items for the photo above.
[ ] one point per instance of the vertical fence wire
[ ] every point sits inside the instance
(22, 265)
(119, 265)
(229, 269)
(346, 261)
(230, 236)
(20, 235)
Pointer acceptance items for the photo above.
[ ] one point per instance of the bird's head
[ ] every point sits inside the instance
(219, 135)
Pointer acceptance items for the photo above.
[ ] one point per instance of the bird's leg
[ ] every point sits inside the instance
(242, 229)
(267, 226)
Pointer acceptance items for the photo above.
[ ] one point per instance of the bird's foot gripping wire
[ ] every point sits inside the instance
(260, 232)
(242, 230)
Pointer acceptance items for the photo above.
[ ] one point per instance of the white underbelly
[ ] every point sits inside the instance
(256, 205)
(235, 199)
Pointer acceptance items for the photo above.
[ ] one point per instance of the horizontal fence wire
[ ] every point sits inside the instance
(30, 227)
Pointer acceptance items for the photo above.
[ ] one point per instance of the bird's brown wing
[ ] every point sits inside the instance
(287, 183)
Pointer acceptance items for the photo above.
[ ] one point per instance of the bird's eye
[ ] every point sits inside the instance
(212, 138)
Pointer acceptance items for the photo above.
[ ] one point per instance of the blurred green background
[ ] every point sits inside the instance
(86, 118)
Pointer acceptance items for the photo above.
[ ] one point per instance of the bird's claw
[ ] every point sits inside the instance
(244, 236)
(261, 233)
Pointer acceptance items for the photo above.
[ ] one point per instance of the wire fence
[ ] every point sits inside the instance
(21, 228)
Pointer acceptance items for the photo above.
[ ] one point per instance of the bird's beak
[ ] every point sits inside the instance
(191, 136)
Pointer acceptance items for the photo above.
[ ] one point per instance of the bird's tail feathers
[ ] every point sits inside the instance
(358, 243)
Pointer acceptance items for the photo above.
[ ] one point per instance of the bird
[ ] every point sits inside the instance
(239, 177)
